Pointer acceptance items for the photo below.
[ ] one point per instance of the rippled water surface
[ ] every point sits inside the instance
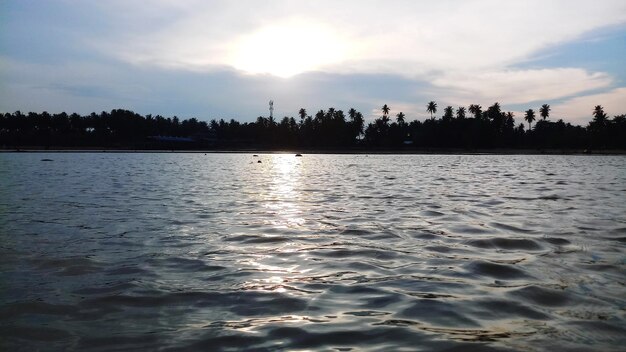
(102, 251)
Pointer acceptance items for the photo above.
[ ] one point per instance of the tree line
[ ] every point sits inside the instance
(463, 128)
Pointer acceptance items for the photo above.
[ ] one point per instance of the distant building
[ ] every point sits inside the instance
(172, 139)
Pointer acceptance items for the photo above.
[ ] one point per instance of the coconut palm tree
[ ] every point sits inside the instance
(529, 117)
(509, 121)
(599, 116)
(302, 113)
(494, 112)
(476, 110)
(385, 110)
(352, 113)
(448, 113)
(400, 118)
(431, 107)
(544, 111)
(358, 123)
(460, 113)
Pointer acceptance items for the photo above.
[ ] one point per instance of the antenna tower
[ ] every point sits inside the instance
(271, 109)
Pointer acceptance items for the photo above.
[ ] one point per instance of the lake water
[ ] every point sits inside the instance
(108, 251)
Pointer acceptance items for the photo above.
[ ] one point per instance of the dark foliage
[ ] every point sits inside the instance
(326, 129)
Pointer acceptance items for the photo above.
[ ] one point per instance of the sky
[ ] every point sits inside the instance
(213, 59)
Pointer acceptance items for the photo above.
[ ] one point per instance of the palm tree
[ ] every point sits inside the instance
(476, 110)
(358, 123)
(302, 113)
(460, 113)
(431, 107)
(494, 112)
(400, 118)
(544, 111)
(352, 113)
(385, 110)
(509, 121)
(599, 116)
(448, 113)
(529, 117)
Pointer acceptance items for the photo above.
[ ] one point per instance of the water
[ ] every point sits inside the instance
(325, 252)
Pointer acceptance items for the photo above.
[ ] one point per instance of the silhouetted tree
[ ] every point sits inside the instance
(476, 110)
(599, 116)
(352, 113)
(494, 112)
(529, 117)
(509, 122)
(460, 113)
(598, 128)
(544, 111)
(431, 107)
(356, 124)
(400, 118)
(327, 129)
(616, 136)
(385, 110)
(448, 113)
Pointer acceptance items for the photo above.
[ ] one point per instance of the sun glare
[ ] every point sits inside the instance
(288, 49)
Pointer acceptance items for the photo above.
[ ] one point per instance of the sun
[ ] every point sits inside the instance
(288, 49)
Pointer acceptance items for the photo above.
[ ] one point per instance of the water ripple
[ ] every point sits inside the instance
(186, 252)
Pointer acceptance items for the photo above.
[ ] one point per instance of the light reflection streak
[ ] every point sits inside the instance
(283, 197)
(250, 325)
(282, 200)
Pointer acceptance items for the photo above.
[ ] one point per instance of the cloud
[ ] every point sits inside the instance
(76, 87)
(189, 57)
(400, 37)
(87, 87)
(579, 110)
(466, 49)
(520, 86)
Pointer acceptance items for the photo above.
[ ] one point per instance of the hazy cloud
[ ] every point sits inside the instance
(579, 110)
(211, 58)
(520, 86)
(399, 37)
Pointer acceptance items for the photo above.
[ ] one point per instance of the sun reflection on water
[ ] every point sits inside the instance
(283, 196)
(281, 199)
(277, 278)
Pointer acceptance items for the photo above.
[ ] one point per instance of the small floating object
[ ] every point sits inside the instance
(254, 155)
(298, 154)
(47, 160)
(259, 161)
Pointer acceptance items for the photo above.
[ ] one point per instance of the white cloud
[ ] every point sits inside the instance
(465, 46)
(454, 51)
(579, 110)
(520, 86)
(398, 37)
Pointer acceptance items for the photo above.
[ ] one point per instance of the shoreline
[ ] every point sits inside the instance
(430, 151)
